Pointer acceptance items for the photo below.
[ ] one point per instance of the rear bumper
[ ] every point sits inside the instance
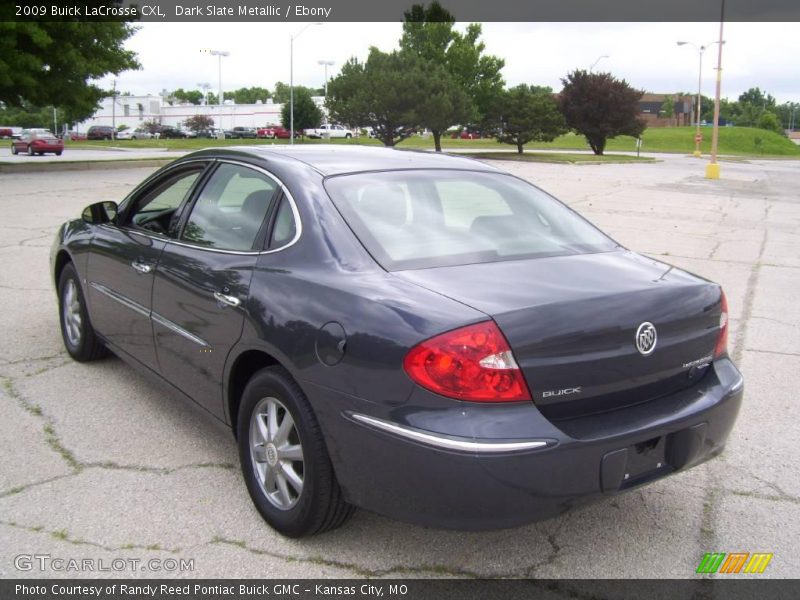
(453, 470)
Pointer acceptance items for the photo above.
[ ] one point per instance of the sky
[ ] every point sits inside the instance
(764, 55)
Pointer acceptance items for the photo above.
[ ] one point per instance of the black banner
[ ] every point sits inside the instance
(392, 10)
(398, 589)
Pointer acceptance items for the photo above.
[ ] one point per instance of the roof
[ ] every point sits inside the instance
(333, 159)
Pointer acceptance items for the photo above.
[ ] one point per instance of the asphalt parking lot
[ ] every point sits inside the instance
(100, 463)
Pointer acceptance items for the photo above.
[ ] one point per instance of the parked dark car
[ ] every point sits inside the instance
(170, 132)
(241, 133)
(100, 132)
(421, 335)
(37, 141)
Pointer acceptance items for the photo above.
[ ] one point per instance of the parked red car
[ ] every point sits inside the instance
(37, 141)
(275, 132)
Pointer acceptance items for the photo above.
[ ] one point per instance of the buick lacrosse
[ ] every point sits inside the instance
(421, 335)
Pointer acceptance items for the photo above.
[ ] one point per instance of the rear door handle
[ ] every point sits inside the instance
(141, 267)
(225, 299)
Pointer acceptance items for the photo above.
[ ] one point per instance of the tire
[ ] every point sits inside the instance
(14, 149)
(270, 462)
(347, 136)
(76, 330)
(58, 153)
(30, 150)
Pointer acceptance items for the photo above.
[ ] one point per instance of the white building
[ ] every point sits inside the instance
(133, 111)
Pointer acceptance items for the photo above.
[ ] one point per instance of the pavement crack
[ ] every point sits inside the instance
(435, 569)
(749, 301)
(64, 536)
(112, 466)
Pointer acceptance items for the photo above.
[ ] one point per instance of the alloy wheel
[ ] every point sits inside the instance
(277, 453)
(73, 322)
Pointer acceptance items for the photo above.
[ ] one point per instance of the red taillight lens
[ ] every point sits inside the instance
(722, 339)
(473, 363)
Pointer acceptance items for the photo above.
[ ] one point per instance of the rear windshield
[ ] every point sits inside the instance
(418, 219)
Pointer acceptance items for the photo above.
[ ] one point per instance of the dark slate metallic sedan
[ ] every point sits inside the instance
(421, 335)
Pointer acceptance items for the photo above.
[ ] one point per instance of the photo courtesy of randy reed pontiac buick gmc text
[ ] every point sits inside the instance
(206, 590)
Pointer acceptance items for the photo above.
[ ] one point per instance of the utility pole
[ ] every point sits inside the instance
(712, 168)
(114, 111)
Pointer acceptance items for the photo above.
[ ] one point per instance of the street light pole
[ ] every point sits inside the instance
(326, 64)
(291, 80)
(700, 51)
(219, 54)
(205, 87)
(594, 64)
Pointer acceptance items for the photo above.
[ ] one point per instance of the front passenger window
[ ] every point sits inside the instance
(230, 212)
(158, 209)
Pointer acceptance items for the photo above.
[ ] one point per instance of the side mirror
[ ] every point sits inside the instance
(100, 213)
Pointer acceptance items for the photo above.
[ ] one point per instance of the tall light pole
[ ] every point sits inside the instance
(712, 168)
(205, 87)
(291, 79)
(594, 64)
(700, 51)
(326, 64)
(220, 54)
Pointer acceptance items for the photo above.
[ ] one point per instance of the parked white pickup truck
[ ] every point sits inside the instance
(329, 131)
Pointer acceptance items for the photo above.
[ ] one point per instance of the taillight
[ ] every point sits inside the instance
(722, 338)
(472, 363)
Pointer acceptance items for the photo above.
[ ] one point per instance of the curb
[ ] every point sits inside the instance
(86, 165)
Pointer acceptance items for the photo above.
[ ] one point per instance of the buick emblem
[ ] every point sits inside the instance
(646, 338)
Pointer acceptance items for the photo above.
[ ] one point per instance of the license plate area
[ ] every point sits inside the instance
(646, 460)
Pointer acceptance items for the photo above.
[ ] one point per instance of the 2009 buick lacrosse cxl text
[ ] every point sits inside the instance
(421, 335)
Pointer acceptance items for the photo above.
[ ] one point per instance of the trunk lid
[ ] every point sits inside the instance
(572, 324)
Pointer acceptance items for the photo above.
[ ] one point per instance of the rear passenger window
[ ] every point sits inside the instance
(231, 209)
(285, 228)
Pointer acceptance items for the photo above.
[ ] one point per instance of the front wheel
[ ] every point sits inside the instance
(284, 459)
(348, 136)
(76, 330)
(14, 149)
(30, 150)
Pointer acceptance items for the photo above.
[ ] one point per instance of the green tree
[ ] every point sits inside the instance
(248, 95)
(187, 96)
(307, 115)
(756, 97)
(199, 123)
(529, 113)
(429, 34)
(788, 114)
(441, 102)
(769, 121)
(600, 106)
(52, 63)
(28, 115)
(380, 93)
(668, 108)
(281, 93)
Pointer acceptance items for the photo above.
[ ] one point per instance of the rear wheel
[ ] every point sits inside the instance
(284, 459)
(348, 136)
(14, 149)
(30, 150)
(76, 330)
(58, 153)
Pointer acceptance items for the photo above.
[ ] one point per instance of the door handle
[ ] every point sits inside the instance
(141, 267)
(225, 299)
